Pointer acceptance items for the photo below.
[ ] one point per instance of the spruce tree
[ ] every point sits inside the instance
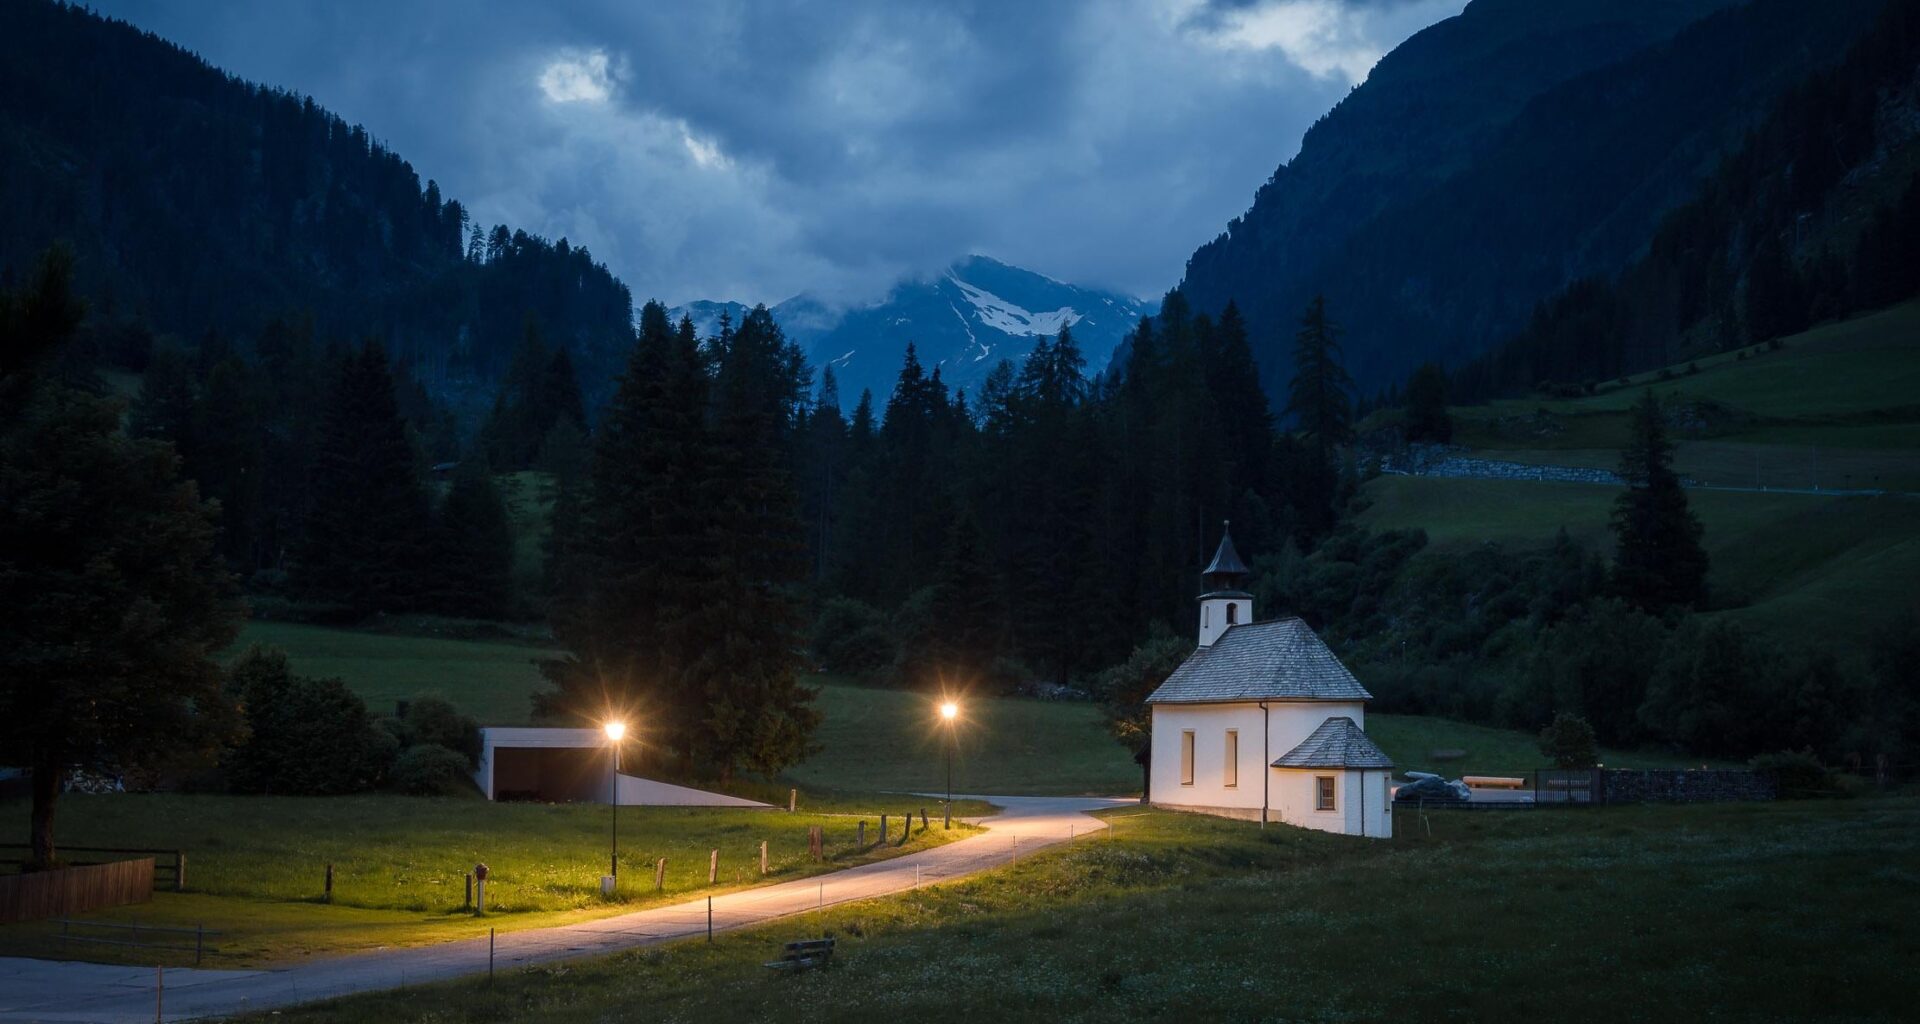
(1319, 400)
(964, 629)
(368, 529)
(1427, 418)
(117, 604)
(636, 552)
(740, 636)
(1658, 563)
(473, 549)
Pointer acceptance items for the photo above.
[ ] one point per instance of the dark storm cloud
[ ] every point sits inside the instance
(753, 150)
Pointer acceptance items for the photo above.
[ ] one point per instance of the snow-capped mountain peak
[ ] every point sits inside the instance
(962, 321)
(1008, 318)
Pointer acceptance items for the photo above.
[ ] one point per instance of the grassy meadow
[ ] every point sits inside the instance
(1787, 911)
(873, 740)
(1835, 408)
(256, 865)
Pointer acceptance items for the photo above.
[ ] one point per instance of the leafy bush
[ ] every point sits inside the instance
(1567, 741)
(429, 769)
(433, 720)
(851, 638)
(1796, 773)
(304, 736)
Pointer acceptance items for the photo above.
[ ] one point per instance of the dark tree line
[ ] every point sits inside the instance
(1764, 249)
(684, 556)
(1037, 528)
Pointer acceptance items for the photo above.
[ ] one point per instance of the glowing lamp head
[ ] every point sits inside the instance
(615, 730)
(949, 711)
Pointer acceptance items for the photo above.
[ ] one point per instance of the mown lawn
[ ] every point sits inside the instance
(256, 866)
(892, 739)
(1790, 911)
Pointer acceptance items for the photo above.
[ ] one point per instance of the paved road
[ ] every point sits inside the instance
(78, 993)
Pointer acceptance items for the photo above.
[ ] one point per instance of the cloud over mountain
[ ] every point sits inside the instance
(755, 150)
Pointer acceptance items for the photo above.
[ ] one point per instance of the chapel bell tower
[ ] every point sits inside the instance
(1224, 604)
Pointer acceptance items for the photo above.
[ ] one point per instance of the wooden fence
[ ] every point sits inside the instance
(170, 866)
(64, 891)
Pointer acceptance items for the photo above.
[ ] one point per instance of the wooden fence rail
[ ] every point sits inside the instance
(170, 865)
(76, 890)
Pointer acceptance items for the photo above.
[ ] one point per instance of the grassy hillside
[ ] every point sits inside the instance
(1851, 384)
(492, 681)
(1784, 911)
(1837, 407)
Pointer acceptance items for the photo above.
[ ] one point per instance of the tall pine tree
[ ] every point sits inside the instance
(1658, 563)
(367, 534)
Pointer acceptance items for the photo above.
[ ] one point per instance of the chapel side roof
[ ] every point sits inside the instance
(1281, 659)
(1338, 743)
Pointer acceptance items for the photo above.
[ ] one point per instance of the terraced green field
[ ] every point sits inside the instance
(1837, 408)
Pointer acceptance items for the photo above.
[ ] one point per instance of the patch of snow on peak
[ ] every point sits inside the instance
(1007, 318)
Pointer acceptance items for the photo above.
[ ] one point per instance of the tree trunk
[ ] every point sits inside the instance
(46, 789)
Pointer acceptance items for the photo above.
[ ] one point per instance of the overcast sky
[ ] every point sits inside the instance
(754, 150)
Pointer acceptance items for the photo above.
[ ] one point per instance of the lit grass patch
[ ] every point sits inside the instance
(256, 866)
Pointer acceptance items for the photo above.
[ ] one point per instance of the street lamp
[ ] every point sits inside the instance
(948, 712)
(615, 730)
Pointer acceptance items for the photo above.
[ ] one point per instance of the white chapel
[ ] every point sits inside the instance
(1262, 722)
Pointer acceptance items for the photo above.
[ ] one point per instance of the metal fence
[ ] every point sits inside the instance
(1567, 786)
(128, 935)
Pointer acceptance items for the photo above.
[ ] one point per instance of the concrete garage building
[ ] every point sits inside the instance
(569, 765)
(1263, 722)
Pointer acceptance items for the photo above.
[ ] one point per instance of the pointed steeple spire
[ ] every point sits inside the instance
(1226, 571)
(1225, 604)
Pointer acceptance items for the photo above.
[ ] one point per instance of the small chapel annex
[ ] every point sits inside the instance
(1263, 722)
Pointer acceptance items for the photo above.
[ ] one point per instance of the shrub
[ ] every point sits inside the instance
(429, 769)
(1796, 773)
(851, 638)
(435, 721)
(304, 736)
(1568, 742)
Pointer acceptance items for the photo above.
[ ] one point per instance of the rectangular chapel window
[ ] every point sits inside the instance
(1323, 796)
(1233, 758)
(1186, 758)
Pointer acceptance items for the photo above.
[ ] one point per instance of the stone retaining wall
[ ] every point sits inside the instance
(1639, 786)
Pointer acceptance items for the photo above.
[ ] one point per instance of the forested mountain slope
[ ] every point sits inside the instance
(195, 201)
(1815, 216)
(1497, 156)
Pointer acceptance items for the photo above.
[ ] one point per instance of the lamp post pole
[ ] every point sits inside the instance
(615, 730)
(615, 872)
(949, 711)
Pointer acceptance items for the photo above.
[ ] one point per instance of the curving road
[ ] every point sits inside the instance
(79, 993)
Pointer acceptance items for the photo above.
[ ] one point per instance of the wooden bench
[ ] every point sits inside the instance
(1493, 782)
(804, 954)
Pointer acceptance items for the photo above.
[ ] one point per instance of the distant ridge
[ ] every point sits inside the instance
(962, 321)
